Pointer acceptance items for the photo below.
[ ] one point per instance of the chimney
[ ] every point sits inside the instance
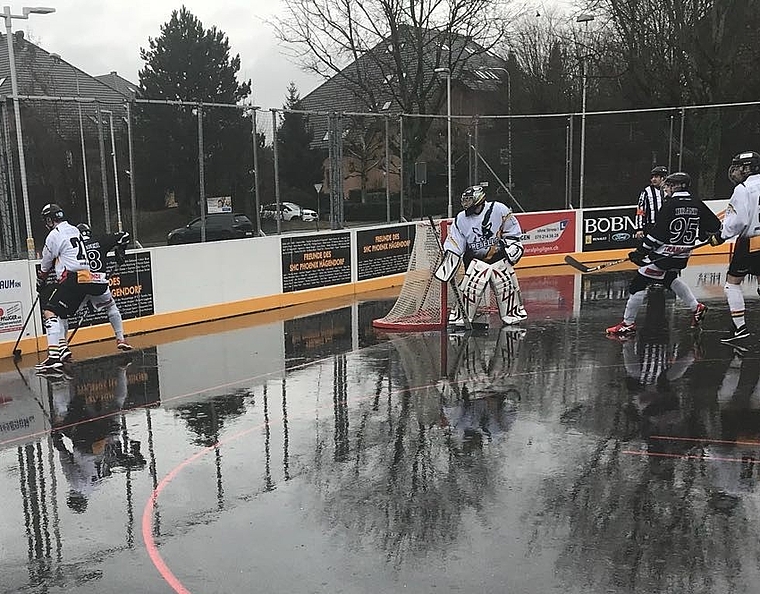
(113, 73)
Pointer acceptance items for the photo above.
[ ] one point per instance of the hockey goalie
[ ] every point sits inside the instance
(485, 237)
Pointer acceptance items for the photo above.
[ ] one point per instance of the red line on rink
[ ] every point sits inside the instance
(150, 506)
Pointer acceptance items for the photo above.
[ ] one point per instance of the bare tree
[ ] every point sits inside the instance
(387, 50)
(684, 52)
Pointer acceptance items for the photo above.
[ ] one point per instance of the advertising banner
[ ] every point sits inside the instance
(548, 232)
(132, 289)
(382, 252)
(15, 299)
(319, 261)
(219, 204)
(609, 229)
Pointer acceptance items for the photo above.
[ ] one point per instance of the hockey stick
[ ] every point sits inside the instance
(454, 288)
(16, 350)
(85, 311)
(580, 266)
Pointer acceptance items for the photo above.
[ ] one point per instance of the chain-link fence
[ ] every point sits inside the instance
(180, 172)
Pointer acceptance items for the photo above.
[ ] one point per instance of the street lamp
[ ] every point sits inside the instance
(583, 18)
(447, 72)
(8, 16)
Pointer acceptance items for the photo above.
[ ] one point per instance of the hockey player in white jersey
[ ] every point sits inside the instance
(64, 253)
(743, 222)
(486, 236)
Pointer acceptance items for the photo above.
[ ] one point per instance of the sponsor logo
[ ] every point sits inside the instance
(613, 224)
(9, 283)
(545, 233)
(621, 236)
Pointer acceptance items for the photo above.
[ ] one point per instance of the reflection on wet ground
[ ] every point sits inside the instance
(313, 454)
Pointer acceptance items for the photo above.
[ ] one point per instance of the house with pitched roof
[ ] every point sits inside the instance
(399, 76)
(61, 136)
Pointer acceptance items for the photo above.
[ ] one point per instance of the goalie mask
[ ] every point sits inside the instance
(473, 197)
(742, 166)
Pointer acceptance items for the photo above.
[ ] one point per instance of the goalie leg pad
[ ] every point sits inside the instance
(473, 286)
(448, 267)
(507, 295)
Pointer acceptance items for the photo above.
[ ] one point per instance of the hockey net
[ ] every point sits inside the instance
(422, 303)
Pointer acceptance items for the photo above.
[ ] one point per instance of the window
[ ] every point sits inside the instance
(386, 105)
(389, 78)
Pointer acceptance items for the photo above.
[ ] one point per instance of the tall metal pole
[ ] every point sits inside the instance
(448, 134)
(201, 174)
(115, 173)
(276, 171)
(31, 252)
(402, 181)
(680, 142)
(8, 17)
(583, 136)
(583, 18)
(132, 174)
(387, 171)
(84, 157)
(256, 197)
(103, 169)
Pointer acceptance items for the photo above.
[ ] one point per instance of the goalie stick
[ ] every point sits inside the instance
(580, 266)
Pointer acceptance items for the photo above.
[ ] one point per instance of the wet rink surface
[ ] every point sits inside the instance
(302, 451)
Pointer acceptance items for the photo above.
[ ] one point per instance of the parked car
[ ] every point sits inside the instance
(289, 211)
(219, 225)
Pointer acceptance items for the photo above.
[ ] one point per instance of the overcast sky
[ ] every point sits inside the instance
(99, 36)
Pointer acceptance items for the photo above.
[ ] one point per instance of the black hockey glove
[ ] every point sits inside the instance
(638, 257)
(41, 280)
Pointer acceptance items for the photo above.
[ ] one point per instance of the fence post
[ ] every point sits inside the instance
(387, 171)
(276, 171)
(401, 217)
(133, 196)
(103, 170)
(680, 145)
(201, 174)
(256, 197)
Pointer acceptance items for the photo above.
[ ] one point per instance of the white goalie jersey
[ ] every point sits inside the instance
(480, 235)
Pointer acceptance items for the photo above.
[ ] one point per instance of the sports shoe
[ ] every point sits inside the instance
(699, 313)
(622, 329)
(48, 364)
(65, 355)
(123, 345)
(738, 334)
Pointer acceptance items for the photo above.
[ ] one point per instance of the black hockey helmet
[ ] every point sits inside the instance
(473, 196)
(84, 230)
(660, 170)
(743, 165)
(677, 180)
(52, 214)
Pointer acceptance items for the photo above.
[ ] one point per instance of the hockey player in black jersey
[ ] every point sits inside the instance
(665, 251)
(98, 249)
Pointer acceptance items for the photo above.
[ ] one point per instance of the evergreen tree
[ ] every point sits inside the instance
(300, 165)
(192, 64)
